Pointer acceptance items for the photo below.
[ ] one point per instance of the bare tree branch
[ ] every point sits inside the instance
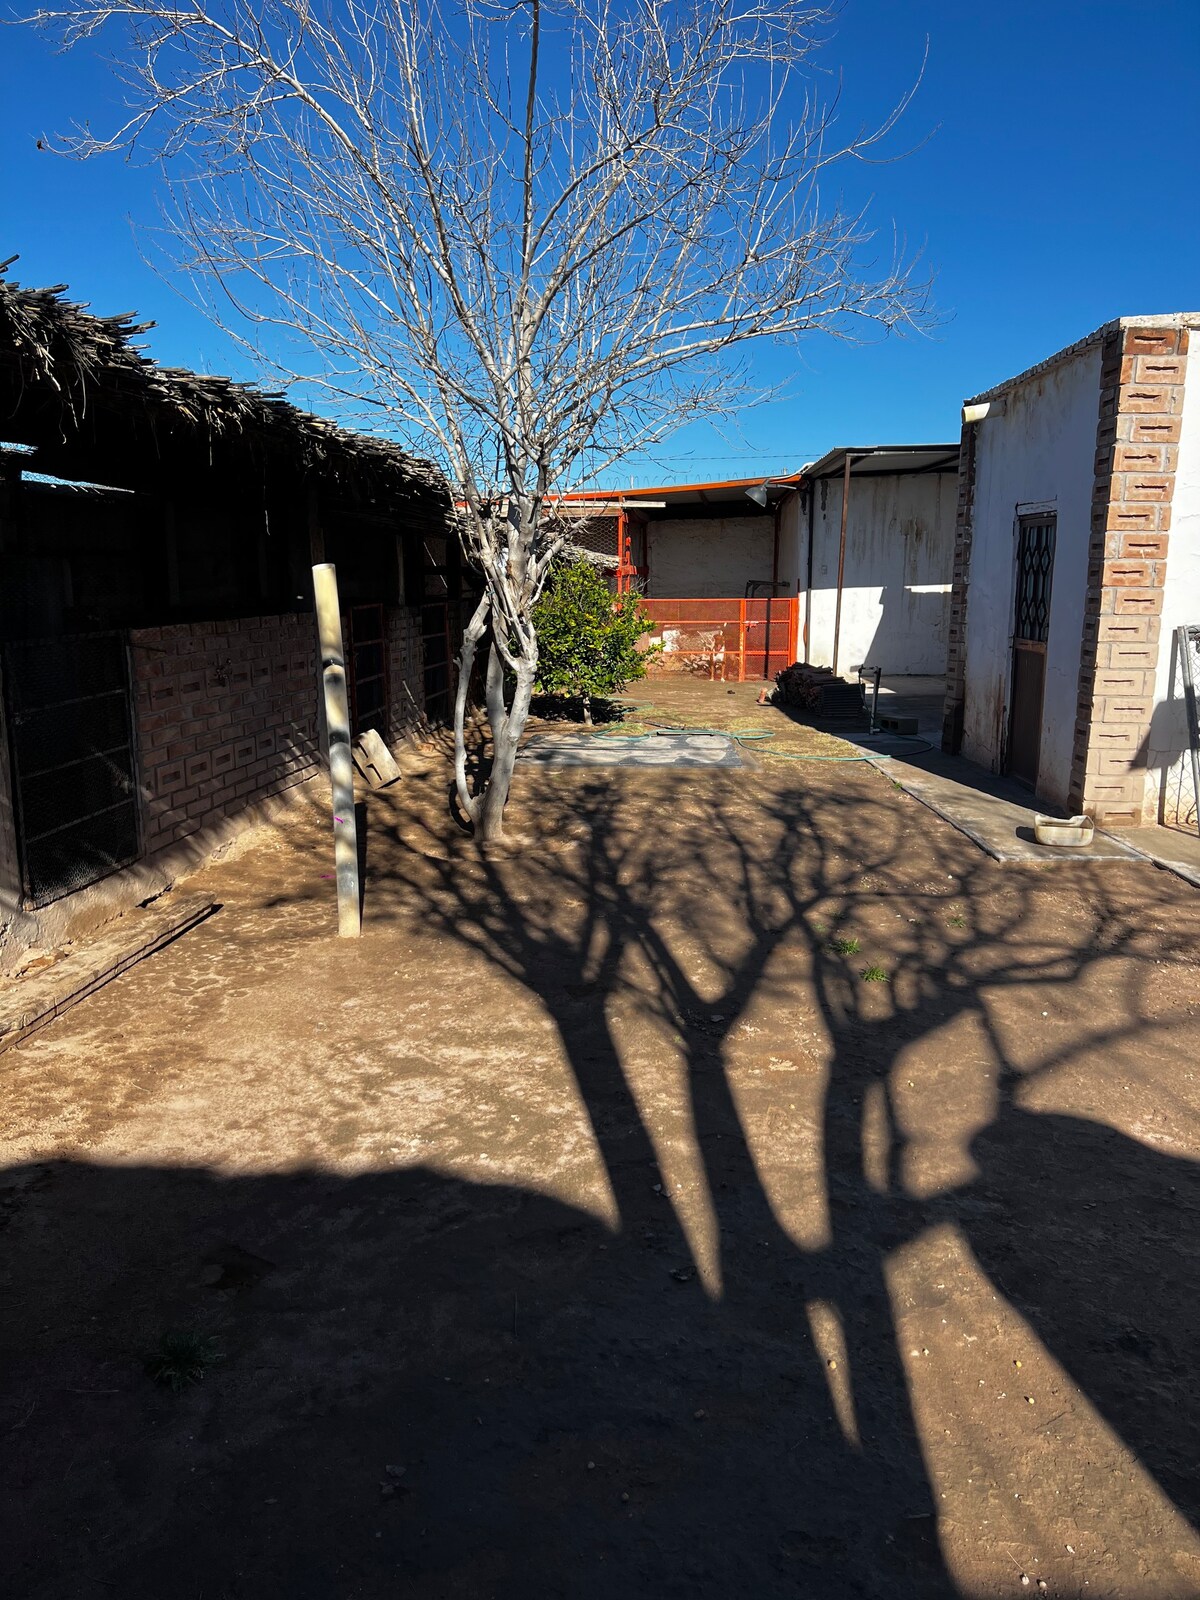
(529, 237)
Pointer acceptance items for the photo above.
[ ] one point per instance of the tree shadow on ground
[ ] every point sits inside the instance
(645, 1409)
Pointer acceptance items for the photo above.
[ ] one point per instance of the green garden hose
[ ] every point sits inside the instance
(745, 736)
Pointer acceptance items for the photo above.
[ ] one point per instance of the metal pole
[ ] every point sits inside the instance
(837, 611)
(874, 728)
(808, 580)
(1183, 636)
(341, 761)
(771, 598)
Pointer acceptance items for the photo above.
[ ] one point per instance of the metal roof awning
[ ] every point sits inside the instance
(732, 497)
(885, 460)
(676, 499)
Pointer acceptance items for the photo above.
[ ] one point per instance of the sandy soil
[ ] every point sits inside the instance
(593, 1228)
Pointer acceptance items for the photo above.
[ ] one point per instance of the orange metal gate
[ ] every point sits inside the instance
(728, 639)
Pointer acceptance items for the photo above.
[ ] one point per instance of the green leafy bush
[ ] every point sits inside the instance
(182, 1359)
(587, 637)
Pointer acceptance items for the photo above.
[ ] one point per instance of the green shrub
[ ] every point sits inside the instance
(587, 638)
(182, 1359)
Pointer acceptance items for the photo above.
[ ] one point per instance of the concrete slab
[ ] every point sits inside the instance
(1178, 852)
(995, 813)
(666, 749)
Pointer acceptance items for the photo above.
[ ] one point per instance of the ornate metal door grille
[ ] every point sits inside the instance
(1031, 629)
(1035, 568)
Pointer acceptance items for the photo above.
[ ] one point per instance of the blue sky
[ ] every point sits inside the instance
(1053, 186)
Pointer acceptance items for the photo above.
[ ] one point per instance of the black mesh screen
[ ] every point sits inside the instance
(70, 735)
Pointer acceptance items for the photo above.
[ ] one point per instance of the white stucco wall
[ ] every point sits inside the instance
(793, 532)
(699, 556)
(1040, 451)
(899, 563)
(1170, 795)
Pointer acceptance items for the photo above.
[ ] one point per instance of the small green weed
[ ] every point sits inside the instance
(182, 1359)
(874, 974)
(957, 920)
(846, 947)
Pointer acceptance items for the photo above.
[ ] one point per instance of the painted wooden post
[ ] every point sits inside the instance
(341, 761)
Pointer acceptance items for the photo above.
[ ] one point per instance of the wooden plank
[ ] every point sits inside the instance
(374, 760)
(29, 1003)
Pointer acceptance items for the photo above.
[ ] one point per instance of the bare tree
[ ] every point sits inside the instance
(531, 237)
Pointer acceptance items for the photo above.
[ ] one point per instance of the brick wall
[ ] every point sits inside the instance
(1137, 448)
(956, 653)
(226, 714)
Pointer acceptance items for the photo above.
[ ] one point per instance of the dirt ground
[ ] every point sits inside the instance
(594, 1228)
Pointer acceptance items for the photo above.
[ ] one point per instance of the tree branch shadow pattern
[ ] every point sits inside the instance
(574, 1413)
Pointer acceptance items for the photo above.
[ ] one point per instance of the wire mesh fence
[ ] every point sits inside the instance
(1187, 646)
(726, 638)
(74, 777)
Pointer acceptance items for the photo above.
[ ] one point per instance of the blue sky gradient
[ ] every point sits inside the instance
(1051, 185)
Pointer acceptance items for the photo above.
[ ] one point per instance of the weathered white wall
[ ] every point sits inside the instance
(1170, 793)
(899, 561)
(1040, 451)
(793, 536)
(699, 556)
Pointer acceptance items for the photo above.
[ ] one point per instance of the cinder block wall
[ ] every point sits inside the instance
(225, 717)
(226, 714)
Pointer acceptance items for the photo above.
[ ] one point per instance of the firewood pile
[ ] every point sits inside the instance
(817, 691)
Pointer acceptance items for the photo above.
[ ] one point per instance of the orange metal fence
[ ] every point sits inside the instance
(726, 638)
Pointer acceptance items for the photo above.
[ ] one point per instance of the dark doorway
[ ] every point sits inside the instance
(1031, 628)
(74, 781)
(436, 656)
(368, 670)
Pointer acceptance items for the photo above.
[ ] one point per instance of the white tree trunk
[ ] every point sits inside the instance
(485, 808)
(472, 634)
(505, 740)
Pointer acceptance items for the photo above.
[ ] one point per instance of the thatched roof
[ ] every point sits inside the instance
(80, 390)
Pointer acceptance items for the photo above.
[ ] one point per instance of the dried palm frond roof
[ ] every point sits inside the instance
(73, 384)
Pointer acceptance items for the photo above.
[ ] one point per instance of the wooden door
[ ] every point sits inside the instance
(1031, 629)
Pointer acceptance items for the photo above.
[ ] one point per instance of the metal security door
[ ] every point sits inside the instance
(74, 779)
(1031, 628)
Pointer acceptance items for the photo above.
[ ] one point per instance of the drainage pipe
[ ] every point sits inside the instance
(837, 613)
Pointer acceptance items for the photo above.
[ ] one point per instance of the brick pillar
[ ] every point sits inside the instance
(956, 652)
(1137, 448)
